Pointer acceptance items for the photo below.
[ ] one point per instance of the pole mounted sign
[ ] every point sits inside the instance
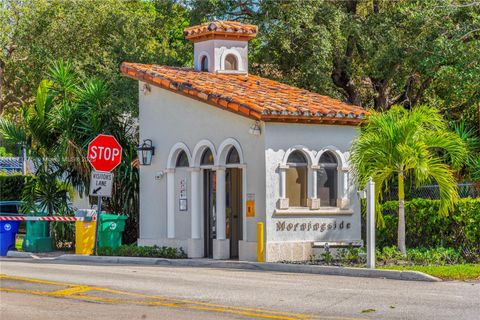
(104, 153)
(101, 184)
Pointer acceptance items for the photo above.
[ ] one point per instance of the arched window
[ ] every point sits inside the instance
(182, 160)
(231, 62)
(232, 156)
(297, 180)
(327, 180)
(207, 158)
(204, 64)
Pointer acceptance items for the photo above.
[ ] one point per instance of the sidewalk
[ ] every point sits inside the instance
(232, 264)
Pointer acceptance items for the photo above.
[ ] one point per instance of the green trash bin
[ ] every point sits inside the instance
(37, 237)
(111, 229)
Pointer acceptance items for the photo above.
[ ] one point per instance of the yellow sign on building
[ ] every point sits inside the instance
(250, 205)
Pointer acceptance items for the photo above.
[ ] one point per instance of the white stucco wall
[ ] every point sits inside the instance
(313, 138)
(168, 118)
(216, 50)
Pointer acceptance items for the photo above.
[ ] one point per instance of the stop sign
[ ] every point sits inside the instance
(104, 153)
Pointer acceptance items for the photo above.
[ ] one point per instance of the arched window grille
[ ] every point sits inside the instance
(297, 179)
(327, 180)
(207, 158)
(182, 160)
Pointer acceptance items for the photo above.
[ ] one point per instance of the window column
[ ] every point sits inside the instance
(221, 195)
(283, 201)
(170, 203)
(195, 211)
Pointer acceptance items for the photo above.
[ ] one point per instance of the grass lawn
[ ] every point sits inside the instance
(450, 272)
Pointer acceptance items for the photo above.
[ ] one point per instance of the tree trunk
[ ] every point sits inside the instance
(401, 215)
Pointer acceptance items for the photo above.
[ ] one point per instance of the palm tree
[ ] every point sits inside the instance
(401, 144)
(66, 116)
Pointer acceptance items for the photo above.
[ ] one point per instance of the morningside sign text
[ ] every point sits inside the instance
(316, 226)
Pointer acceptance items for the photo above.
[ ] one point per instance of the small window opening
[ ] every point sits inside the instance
(233, 156)
(207, 158)
(297, 179)
(204, 64)
(231, 62)
(182, 160)
(327, 180)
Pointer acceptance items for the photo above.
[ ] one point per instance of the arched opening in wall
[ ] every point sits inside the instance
(297, 179)
(204, 63)
(207, 158)
(231, 62)
(182, 160)
(209, 201)
(233, 157)
(327, 180)
(233, 201)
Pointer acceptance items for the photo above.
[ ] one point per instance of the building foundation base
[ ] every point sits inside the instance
(195, 248)
(221, 249)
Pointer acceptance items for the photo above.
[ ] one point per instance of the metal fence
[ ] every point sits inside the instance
(465, 190)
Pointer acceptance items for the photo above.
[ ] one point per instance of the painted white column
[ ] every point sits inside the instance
(314, 181)
(170, 203)
(195, 205)
(370, 192)
(283, 181)
(221, 194)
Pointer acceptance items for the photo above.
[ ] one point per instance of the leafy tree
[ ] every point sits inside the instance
(96, 36)
(374, 53)
(400, 144)
(67, 114)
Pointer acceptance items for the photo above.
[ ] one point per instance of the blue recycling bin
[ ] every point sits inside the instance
(8, 231)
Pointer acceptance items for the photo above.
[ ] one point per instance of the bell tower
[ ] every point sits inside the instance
(221, 46)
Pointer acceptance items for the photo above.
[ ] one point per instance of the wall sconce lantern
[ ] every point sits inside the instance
(146, 89)
(255, 129)
(145, 152)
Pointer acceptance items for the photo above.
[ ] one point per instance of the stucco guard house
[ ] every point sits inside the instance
(233, 149)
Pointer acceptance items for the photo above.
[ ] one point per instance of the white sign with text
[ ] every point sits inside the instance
(101, 184)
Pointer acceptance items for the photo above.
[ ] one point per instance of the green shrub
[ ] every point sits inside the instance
(11, 186)
(132, 250)
(425, 228)
(351, 255)
(420, 256)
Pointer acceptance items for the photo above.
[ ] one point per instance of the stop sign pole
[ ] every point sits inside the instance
(104, 154)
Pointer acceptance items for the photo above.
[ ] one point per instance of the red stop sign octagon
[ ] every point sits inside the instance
(104, 153)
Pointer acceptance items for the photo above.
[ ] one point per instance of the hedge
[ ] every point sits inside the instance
(11, 186)
(425, 228)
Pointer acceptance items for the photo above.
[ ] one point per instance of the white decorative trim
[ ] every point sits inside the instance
(306, 152)
(313, 203)
(234, 52)
(343, 203)
(283, 203)
(224, 148)
(322, 211)
(199, 61)
(174, 152)
(342, 161)
(198, 151)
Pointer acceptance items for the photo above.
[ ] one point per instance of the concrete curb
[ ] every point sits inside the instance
(247, 265)
(19, 254)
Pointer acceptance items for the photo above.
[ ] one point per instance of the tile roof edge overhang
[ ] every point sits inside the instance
(251, 111)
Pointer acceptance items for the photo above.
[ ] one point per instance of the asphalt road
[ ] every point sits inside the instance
(40, 289)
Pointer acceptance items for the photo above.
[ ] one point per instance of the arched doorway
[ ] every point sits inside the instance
(234, 201)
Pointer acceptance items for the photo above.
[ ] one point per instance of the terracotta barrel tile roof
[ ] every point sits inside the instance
(221, 29)
(251, 96)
